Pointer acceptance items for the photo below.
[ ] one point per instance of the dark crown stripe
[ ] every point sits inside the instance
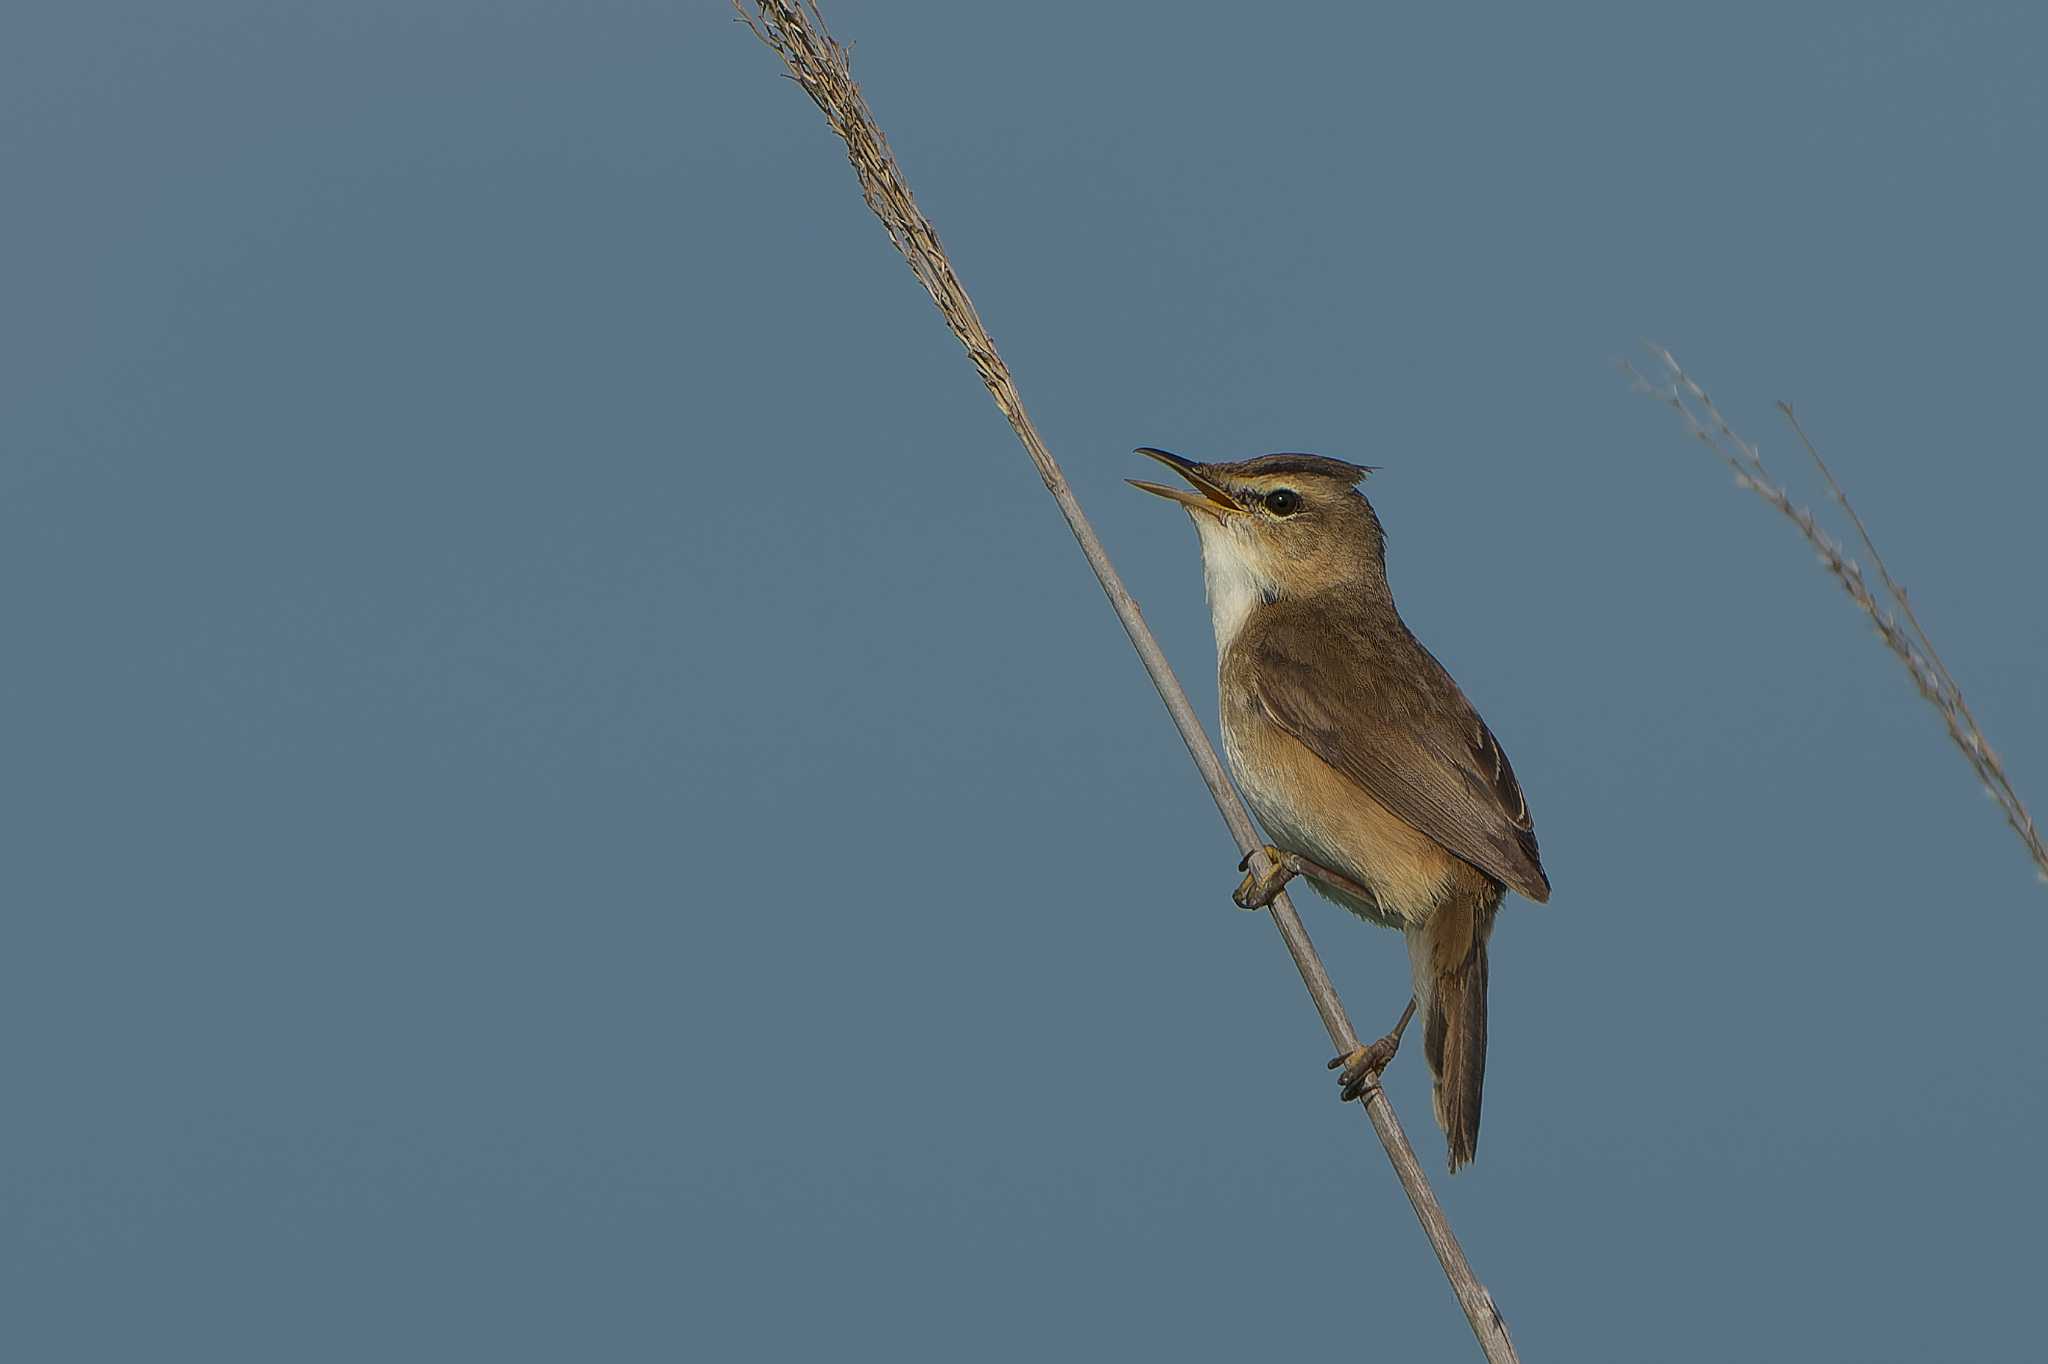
(1319, 465)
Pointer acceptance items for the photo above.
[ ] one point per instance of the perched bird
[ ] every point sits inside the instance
(1372, 774)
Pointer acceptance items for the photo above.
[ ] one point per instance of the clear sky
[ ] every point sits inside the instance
(567, 794)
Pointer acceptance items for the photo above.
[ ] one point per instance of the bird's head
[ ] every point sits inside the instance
(1279, 525)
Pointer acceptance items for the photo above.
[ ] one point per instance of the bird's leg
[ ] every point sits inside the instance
(1256, 891)
(1362, 1065)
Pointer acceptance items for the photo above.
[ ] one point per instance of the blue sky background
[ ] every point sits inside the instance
(568, 796)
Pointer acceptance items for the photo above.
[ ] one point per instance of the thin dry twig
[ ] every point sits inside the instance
(1889, 608)
(796, 32)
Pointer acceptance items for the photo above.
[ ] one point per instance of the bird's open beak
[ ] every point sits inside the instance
(1209, 498)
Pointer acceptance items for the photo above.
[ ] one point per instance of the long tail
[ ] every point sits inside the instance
(1448, 958)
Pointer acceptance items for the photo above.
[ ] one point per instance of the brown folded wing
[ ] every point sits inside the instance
(1392, 720)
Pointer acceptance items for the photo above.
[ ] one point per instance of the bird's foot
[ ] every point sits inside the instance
(1256, 891)
(1362, 1065)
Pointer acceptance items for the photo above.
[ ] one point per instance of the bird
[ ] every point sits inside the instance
(1373, 775)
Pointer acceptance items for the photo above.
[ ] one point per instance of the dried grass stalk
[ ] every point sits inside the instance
(1889, 608)
(818, 64)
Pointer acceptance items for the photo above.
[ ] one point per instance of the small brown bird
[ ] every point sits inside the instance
(1367, 766)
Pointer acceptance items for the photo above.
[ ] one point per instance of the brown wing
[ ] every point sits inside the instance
(1391, 719)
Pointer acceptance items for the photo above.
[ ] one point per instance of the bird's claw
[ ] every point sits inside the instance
(1362, 1066)
(1256, 891)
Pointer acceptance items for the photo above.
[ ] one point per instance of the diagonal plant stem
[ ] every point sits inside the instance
(818, 64)
(1889, 608)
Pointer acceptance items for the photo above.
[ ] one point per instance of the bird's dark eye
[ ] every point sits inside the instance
(1283, 502)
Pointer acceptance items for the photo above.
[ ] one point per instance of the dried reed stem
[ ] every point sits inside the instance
(1889, 607)
(796, 32)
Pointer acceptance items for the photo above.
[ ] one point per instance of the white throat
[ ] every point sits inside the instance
(1237, 583)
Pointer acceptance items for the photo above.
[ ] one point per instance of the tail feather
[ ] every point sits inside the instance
(1449, 960)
